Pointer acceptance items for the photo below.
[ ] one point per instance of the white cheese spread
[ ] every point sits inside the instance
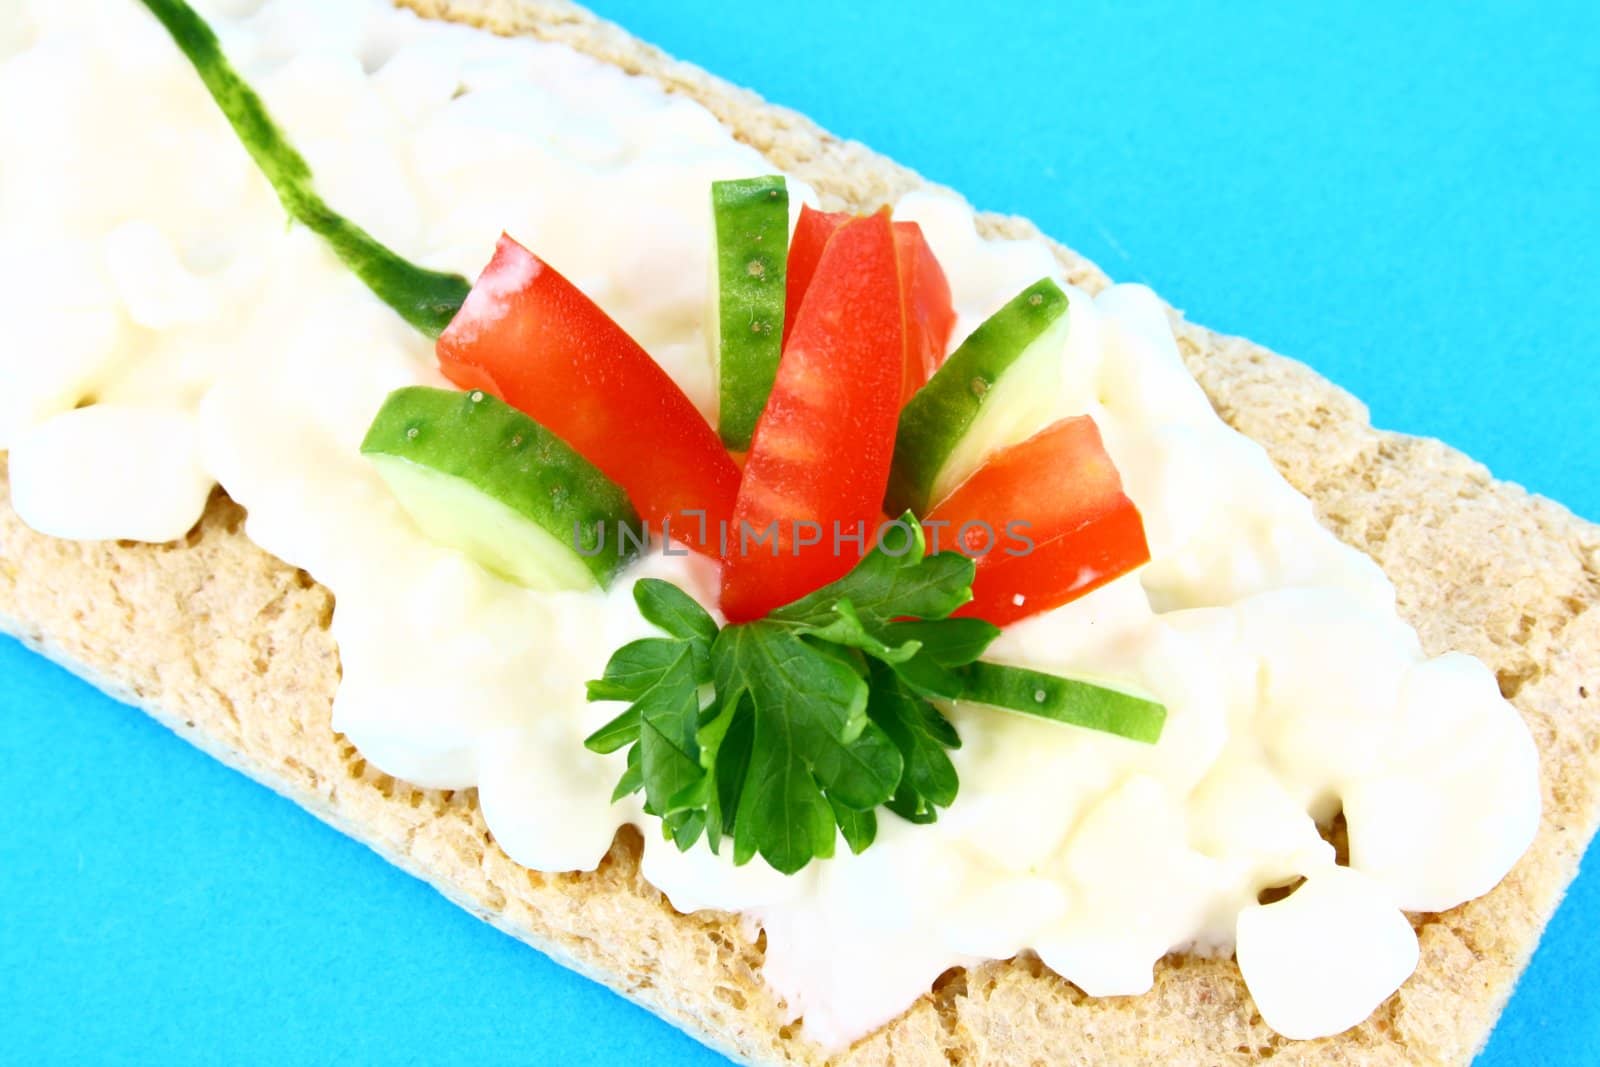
(167, 329)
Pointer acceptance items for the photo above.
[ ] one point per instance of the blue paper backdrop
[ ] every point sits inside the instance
(1407, 200)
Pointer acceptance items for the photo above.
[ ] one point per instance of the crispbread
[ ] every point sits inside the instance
(230, 648)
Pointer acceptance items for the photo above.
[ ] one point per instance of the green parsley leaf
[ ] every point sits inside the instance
(683, 828)
(668, 716)
(673, 610)
(623, 730)
(632, 779)
(948, 642)
(726, 742)
(884, 587)
(860, 828)
(921, 734)
(782, 813)
(635, 668)
(847, 630)
(776, 668)
(811, 743)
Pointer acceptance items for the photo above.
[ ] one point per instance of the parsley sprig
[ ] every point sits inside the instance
(786, 732)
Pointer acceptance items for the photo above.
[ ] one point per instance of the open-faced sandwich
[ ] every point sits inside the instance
(839, 621)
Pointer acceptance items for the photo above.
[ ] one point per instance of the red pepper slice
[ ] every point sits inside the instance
(819, 460)
(924, 291)
(530, 337)
(1046, 520)
(925, 298)
(812, 232)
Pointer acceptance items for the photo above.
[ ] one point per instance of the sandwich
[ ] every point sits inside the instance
(606, 591)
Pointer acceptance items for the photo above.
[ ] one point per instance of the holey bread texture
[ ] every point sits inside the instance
(230, 648)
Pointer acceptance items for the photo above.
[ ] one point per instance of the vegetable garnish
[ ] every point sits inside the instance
(820, 457)
(998, 387)
(812, 232)
(425, 298)
(785, 732)
(532, 338)
(750, 227)
(1082, 531)
(480, 476)
(925, 303)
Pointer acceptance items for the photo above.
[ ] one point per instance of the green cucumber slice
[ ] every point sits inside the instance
(480, 476)
(427, 299)
(1073, 701)
(1001, 386)
(750, 217)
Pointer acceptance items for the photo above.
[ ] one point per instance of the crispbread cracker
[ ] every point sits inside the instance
(230, 648)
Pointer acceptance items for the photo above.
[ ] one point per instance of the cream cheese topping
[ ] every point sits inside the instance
(169, 331)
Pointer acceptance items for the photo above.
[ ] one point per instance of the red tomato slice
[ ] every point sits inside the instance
(925, 296)
(812, 231)
(531, 338)
(1057, 492)
(819, 460)
(924, 290)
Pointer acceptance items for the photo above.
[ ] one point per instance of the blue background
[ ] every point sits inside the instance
(1405, 200)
